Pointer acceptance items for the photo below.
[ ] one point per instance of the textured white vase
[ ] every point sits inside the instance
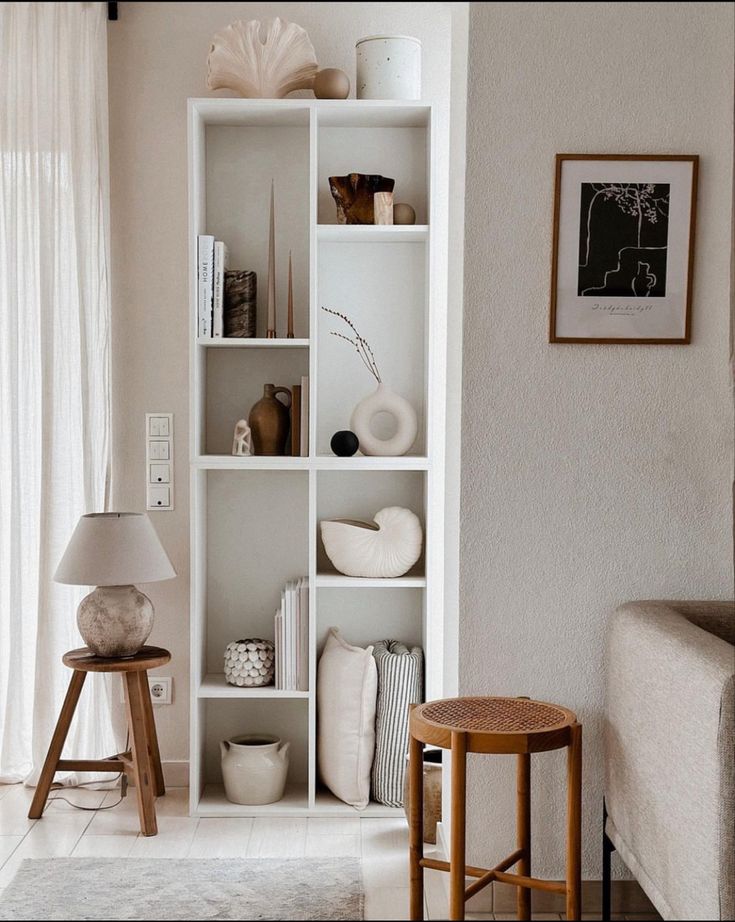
(385, 548)
(250, 663)
(254, 769)
(388, 67)
(115, 620)
(384, 400)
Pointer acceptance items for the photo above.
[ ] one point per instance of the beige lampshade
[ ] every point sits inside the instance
(114, 549)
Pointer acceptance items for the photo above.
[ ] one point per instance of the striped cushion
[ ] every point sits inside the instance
(400, 683)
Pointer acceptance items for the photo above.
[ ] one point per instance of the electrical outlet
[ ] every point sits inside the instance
(160, 687)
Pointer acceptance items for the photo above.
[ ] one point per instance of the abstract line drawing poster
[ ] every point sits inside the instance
(623, 248)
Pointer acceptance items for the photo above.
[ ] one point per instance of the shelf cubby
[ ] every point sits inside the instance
(255, 520)
(397, 152)
(234, 382)
(382, 289)
(241, 161)
(359, 495)
(257, 540)
(283, 718)
(369, 615)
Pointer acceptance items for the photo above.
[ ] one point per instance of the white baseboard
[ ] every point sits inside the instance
(175, 774)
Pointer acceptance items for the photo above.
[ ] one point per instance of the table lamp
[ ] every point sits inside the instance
(113, 550)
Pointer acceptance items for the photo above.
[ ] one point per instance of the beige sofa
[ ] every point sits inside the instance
(670, 753)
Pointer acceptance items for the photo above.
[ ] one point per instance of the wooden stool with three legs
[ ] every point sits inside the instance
(143, 762)
(500, 726)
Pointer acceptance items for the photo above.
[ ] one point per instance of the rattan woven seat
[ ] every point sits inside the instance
(494, 725)
(499, 726)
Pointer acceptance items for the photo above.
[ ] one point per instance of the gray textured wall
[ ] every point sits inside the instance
(590, 474)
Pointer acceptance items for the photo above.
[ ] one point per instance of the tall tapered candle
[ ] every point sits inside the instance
(289, 334)
(271, 329)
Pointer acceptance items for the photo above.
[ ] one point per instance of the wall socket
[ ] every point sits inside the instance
(161, 689)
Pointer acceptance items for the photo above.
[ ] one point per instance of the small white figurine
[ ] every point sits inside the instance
(242, 444)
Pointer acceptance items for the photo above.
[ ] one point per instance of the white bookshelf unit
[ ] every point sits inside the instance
(255, 520)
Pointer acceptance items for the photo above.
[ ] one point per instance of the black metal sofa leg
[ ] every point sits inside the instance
(607, 849)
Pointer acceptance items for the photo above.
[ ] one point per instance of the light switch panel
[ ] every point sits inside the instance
(158, 449)
(160, 473)
(159, 442)
(159, 498)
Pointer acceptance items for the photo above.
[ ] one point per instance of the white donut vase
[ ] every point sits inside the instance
(385, 548)
(384, 400)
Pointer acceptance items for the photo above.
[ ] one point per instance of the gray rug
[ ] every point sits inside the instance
(136, 888)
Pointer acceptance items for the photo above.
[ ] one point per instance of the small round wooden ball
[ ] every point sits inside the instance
(331, 83)
(403, 213)
(344, 443)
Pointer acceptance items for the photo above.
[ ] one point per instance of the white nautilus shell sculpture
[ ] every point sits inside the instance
(384, 548)
(268, 68)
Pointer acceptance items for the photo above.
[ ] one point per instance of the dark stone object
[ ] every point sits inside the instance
(344, 443)
(354, 196)
(239, 305)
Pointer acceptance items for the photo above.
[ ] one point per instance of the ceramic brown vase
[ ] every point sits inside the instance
(269, 422)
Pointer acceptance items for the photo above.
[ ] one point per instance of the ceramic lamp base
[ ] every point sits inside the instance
(115, 620)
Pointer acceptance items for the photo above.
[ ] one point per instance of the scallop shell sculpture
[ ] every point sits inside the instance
(385, 548)
(271, 68)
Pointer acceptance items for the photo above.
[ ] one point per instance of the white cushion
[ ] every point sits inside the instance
(347, 688)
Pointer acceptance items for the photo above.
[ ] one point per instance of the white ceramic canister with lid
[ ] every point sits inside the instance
(388, 67)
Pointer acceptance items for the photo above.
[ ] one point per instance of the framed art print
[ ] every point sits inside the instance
(623, 248)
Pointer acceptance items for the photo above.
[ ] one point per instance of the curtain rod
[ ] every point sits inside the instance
(112, 12)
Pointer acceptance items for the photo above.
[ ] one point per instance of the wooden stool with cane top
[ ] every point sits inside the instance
(502, 726)
(143, 762)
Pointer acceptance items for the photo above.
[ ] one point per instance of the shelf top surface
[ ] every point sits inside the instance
(254, 342)
(295, 802)
(330, 113)
(319, 462)
(374, 233)
(338, 581)
(214, 685)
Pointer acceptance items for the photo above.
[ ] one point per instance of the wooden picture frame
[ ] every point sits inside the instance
(623, 248)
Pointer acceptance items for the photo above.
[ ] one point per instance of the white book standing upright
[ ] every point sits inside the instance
(292, 637)
(255, 520)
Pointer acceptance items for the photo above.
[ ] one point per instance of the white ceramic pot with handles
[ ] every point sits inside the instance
(254, 768)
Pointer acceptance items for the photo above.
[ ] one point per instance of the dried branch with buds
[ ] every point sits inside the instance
(362, 346)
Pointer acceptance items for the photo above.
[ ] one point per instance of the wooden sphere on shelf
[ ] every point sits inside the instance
(331, 83)
(403, 213)
(344, 443)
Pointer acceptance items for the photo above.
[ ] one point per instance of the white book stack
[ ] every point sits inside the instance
(221, 258)
(212, 256)
(292, 637)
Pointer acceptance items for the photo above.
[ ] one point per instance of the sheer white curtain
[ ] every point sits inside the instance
(54, 361)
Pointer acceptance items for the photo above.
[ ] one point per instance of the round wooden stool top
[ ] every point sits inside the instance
(83, 660)
(493, 725)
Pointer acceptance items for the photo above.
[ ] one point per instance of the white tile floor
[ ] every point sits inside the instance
(382, 844)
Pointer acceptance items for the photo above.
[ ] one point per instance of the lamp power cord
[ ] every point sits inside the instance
(122, 778)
